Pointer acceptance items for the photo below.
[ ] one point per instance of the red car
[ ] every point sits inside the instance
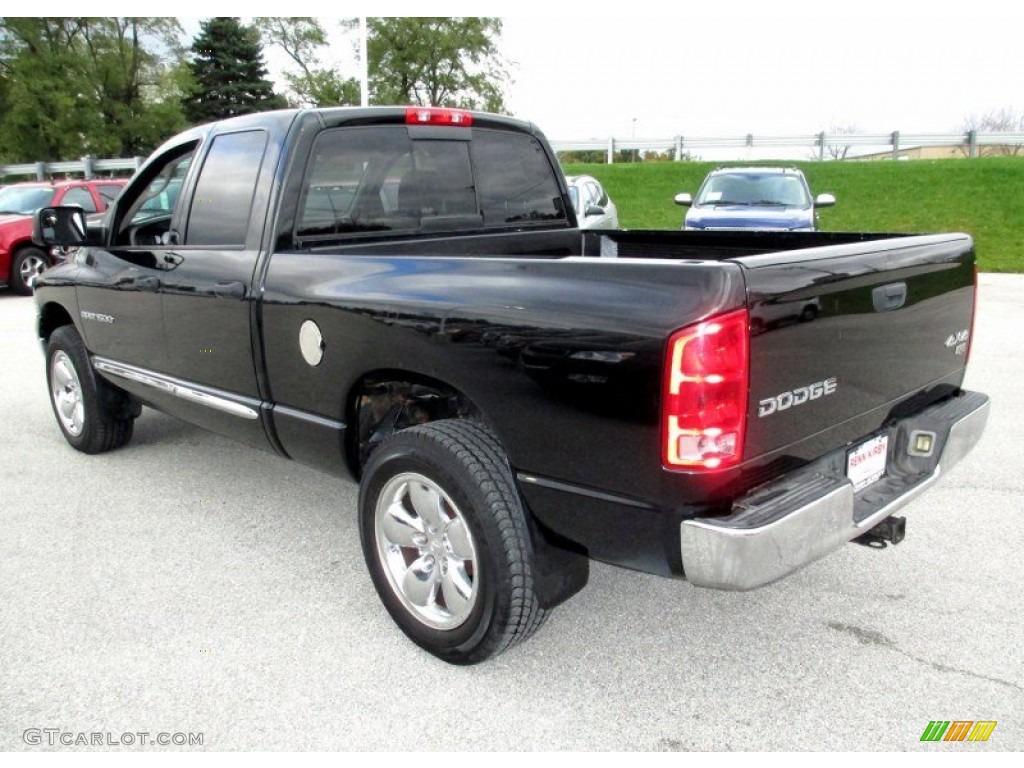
(21, 261)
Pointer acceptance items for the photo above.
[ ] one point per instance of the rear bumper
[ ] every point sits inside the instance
(789, 523)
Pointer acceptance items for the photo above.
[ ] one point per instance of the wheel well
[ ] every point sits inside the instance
(22, 245)
(51, 317)
(384, 402)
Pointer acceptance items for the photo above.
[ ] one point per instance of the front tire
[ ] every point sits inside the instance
(446, 541)
(26, 266)
(93, 415)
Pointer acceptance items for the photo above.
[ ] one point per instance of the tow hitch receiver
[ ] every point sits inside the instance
(892, 530)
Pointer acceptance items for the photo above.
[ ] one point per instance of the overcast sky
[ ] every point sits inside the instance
(882, 66)
(769, 75)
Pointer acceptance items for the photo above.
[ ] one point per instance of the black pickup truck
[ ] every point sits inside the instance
(402, 296)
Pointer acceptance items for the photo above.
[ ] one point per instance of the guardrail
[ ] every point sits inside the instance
(820, 143)
(971, 142)
(88, 167)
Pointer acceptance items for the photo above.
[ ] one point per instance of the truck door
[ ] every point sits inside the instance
(121, 309)
(207, 303)
(175, 279)
(206, 299)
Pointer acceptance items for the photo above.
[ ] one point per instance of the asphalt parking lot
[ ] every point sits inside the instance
(186, 584)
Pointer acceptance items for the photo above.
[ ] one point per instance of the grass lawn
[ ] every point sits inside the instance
(983, 197)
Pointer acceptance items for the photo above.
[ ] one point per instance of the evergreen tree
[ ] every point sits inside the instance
(229, 74)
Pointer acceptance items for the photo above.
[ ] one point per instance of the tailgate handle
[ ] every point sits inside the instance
(889, 297)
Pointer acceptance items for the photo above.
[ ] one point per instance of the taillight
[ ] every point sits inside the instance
(438, 116)
(704, 407)
(974, 314)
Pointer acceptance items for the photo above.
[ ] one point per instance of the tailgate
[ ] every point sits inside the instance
(846, 337)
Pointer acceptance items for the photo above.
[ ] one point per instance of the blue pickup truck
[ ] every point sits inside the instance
(765, 199)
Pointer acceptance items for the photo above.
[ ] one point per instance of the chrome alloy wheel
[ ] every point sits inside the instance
(31, 268)
(66, 390)
(426, 550)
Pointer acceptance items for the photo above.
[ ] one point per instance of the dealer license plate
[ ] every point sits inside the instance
(866, 462)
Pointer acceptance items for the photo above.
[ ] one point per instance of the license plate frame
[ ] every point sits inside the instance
(868, 462)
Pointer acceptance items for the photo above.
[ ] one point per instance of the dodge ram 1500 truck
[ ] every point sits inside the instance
(402, 296)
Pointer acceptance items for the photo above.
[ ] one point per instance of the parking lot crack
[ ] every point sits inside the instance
(873, 637)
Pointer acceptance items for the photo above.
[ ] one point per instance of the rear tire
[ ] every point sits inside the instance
(26, 266)
(446, 541)
(93, 415)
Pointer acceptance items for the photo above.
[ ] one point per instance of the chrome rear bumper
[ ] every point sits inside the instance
(791, 522)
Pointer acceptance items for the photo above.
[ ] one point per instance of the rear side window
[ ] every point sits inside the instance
(223, 197)
(515, 181)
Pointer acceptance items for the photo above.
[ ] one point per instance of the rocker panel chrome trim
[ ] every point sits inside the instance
(220, 401)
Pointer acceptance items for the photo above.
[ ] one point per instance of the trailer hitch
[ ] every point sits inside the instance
(892, 530)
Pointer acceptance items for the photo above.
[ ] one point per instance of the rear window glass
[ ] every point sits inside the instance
(378, 180)
(364, 180)
(515, 181)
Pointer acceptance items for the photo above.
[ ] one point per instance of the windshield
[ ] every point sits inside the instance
(754, 189)
(25, 200)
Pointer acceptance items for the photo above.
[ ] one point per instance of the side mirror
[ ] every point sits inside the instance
(684, 198)
(824, 200)
(61, 225)
(594, 210)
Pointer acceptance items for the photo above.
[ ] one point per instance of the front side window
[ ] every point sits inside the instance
(223, 197)
(149, 202)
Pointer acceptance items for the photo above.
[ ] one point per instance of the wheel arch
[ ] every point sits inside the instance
(386, 400)
(563, 568)
(52, 316)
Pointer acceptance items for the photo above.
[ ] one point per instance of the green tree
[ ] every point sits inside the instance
(229, 73)
(44, 120)
(86, 86)
(132, 85)
(310, 82)
(439, 61)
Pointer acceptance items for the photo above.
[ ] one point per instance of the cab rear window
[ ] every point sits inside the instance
(378, 180)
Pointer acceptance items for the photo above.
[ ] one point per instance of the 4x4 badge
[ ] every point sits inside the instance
(958, 341)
